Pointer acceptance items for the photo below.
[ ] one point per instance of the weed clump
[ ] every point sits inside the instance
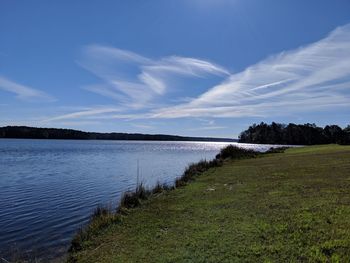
(234, 152)
(133, 199)
(159, 188)
(104, 216)
(129, 200)
(229, 152)
(196, 169)
(101, 217)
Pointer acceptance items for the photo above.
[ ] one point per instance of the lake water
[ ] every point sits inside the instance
(48, 188)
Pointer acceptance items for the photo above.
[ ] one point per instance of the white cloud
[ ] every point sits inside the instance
(23, 92)
(314, 77)
(84, 113)
(135, 80)
(105, 90)
(185, 66)
(154, 83)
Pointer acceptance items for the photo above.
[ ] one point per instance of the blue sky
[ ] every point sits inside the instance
(187, 67)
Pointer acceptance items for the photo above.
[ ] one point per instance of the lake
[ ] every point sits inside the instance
(48, 188)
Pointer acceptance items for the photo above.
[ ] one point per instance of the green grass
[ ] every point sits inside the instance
(283, 207)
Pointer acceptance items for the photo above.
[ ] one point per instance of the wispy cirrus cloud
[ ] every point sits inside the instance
(134, 80)
(311, 78)
(23, 92)
(85, 113)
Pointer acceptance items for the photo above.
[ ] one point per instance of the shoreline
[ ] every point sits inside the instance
(160, 219)
(164, 171)
(103, 216)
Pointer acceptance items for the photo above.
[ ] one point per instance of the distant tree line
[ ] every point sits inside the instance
(295, 134)
(24, 132)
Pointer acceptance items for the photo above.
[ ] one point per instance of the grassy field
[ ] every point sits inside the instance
(284, 207)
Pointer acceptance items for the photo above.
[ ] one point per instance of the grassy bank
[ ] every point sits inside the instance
(292, 206)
